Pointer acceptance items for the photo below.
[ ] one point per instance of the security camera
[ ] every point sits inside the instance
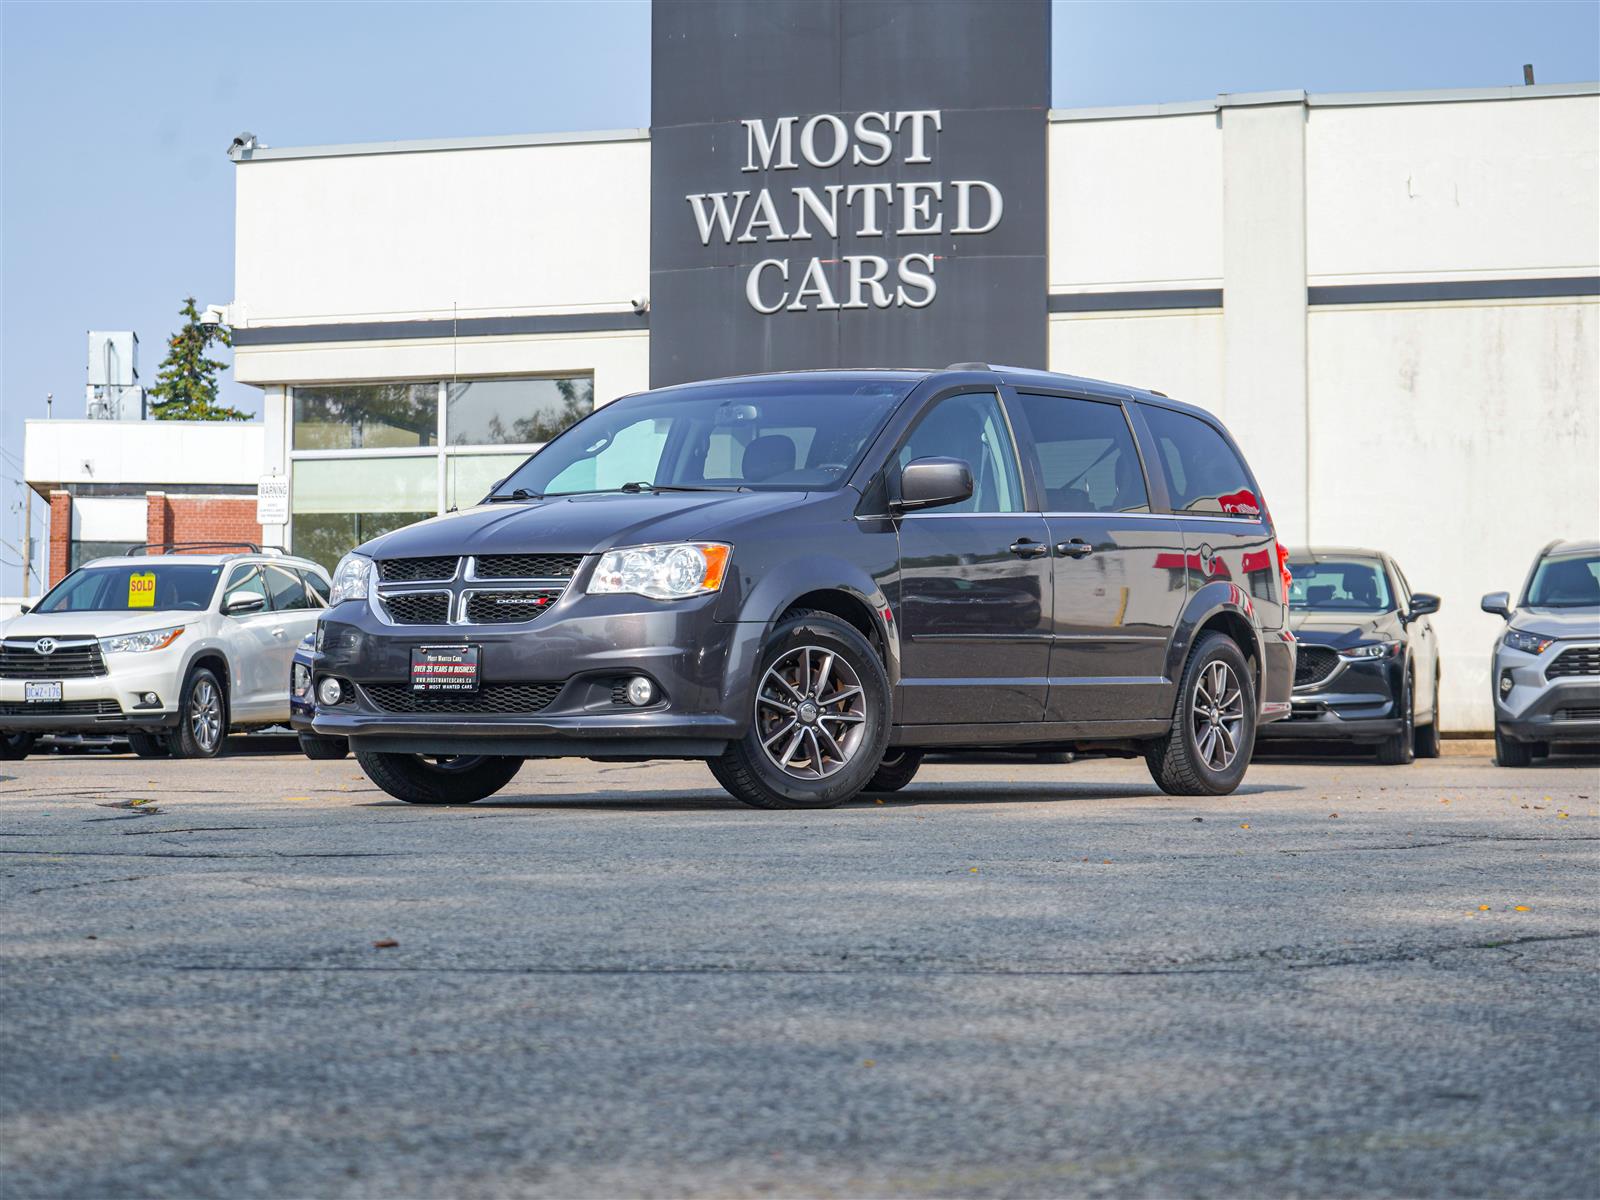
(641, 304)
(242, 142)
(214, 315)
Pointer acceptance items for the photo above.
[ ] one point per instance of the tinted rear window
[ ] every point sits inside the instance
(1203, 473)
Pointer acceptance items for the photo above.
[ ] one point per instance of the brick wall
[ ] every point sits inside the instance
(60, 538)
(200, 518)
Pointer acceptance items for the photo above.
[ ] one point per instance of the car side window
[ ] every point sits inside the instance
(288, 590)
(1087, 458)
(1203, 473)
(318, 585)
(246, 579)
(971, 427)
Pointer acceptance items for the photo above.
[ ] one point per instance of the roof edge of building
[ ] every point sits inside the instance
(435, 145)
(1537, 91)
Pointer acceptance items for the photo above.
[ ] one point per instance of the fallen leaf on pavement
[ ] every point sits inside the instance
(385, 944)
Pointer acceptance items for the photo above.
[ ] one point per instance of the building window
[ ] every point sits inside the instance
(80, 552)
(369, 458)
(366, 416)
(497, 412)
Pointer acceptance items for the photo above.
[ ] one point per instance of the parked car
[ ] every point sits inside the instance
(171, 649)
(1367, 666)
(806, 579)
(303, 706)
(1546, 677)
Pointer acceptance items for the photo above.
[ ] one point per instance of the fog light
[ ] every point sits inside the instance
(640, 691)
(1505, 683)
(329, 691)
(149, 698)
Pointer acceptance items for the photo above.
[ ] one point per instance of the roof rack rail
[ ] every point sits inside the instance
(177, 547)
(969, 366)
(1155, 392)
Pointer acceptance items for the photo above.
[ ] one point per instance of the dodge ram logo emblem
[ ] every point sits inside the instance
(45, 645)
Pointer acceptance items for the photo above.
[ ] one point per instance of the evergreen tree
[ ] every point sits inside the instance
(186, 386)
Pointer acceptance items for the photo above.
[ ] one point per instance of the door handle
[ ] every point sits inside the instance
(278, 632)
(1028, 548)
(1076, 548)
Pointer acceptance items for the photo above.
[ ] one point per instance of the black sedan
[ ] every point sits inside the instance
(1367, 670)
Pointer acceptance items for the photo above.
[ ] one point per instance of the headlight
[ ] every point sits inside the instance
(1528, 643)
(1371, 650)
(662, 572)
(139, 643)
(350, 579)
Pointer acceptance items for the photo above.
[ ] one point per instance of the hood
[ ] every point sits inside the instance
(1558, 622)
(96, 624)
(583, 524)
(1316, 628)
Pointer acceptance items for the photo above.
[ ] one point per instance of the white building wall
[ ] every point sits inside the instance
(187, 452)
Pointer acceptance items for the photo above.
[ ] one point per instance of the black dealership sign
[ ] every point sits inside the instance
(847, 183)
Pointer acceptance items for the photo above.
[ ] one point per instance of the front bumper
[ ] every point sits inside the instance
(1356, 703)
(1564, 710)
(108, 703)
(578, 651)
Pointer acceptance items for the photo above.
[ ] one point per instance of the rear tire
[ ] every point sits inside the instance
(150, 745)
(898, 768)
(1508, 752)
(202, 717)
(819, 720)
(1203, 754)
(14, 746)
(314, 745)
(1399, 750)
(1427, 739)
(456, 780)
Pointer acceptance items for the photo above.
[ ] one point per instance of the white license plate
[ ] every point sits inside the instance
(42, 693)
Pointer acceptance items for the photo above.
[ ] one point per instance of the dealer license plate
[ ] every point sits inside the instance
(42, 693)
(444, 668)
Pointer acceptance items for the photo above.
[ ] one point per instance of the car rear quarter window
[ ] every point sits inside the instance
(1087, 458)
(1203, 472)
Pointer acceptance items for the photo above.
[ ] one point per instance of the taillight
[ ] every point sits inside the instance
(1283, 569)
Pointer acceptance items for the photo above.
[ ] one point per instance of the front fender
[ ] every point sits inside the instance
(776, 591)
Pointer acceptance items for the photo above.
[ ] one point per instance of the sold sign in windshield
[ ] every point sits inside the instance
(142, 590)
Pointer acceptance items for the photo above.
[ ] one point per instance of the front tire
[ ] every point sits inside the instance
(455, 780)
(1207, 749)
(1399, 750)
(316, 746)
(150, 745)
(1427, 739)
(1508, 752)
(14, 746)
(898, 768)
(819, 721)
(202, 717)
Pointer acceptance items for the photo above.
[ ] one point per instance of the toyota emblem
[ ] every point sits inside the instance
(45, 645)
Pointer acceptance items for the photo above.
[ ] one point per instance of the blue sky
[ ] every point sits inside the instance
(118, 198)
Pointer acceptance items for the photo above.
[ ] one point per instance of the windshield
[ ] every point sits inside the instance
(1339, 585)
(1566, 581)
(131, 587)
(782, 434)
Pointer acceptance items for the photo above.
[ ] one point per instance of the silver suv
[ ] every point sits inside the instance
(1546, 675)
(171, 650)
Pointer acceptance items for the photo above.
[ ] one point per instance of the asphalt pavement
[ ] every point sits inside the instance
(261, 977)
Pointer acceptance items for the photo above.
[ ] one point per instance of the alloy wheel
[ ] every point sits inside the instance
(811, 712)
(205, 715)
(1217, 716)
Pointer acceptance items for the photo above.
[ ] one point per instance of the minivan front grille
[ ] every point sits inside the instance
(1313, 664)
(68, 660)
(1579, 660)
(527, 566)
(506, 608)
(417, 608)
(490, 698)
(417, 570)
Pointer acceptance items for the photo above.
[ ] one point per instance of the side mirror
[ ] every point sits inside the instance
(26, 608)
(930, 482)
(1498, 603)
(1423, 603)
(236, 604)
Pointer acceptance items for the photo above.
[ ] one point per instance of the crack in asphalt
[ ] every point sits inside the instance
(1239, 964)
(202, 853)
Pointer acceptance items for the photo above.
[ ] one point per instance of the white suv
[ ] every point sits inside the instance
(170, 649)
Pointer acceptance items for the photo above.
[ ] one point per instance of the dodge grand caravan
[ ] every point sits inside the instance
(807, 579)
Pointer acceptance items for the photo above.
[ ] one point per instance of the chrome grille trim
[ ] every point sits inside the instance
(467, 584)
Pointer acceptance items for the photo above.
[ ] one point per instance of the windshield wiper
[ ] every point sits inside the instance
(519, 494)
(641, 486)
